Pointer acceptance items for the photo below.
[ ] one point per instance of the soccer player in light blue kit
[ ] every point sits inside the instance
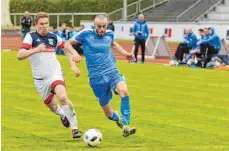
(104, 76)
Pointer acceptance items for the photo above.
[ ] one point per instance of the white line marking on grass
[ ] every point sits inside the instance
(6, 50)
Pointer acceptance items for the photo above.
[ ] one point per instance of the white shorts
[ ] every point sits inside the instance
(45, 87)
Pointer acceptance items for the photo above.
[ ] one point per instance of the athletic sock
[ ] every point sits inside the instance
(114, 116)
(71, 115)
(125, 110)
(59, 111)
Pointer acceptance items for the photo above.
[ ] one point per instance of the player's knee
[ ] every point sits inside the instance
(123, 91)
(63, 99)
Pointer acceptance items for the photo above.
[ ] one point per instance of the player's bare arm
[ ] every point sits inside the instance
(72, 62)
(67, 49)
(23, 53)
(122, 51)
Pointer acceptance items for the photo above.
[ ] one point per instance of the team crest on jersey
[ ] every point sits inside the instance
(107, 38)
(50, 41)
(92, 37)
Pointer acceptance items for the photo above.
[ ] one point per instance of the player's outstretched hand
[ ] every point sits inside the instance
(41, 47)
(76, 58)
(130, 57)
(76, 70)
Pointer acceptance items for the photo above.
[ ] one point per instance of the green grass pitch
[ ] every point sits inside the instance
(173, 108)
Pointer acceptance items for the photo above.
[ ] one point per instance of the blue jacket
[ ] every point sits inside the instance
(199, 40)
(58, 33)
(71, 34)
(142, 28)
(213, 40)
(191, 40)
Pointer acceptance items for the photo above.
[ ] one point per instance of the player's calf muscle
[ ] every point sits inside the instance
(52, 107)
(107, 110)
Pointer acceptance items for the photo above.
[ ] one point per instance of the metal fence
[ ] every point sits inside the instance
(134, 8)
(197, 9)
(17, 16)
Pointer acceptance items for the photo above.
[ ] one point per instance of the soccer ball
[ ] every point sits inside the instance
(92, 137)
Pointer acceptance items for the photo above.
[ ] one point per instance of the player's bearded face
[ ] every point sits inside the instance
(101, 27)
(42, 26)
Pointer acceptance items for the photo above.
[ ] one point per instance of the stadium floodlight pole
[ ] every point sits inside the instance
(124, 10)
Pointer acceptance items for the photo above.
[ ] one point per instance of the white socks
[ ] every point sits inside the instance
(70, 114)
(59, 111)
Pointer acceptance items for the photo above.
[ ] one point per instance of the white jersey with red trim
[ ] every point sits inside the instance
(43, 64)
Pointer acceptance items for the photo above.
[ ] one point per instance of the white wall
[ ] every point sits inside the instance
(219, 16)
(122, 29)
(227, 2)
(222, 8)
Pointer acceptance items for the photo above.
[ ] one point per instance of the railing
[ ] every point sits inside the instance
(134, 8)
(207, 10)
(188, 10)
(57, 16)
(196, 9)
(146, 6)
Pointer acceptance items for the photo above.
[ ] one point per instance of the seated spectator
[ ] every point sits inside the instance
(209, 46)
(64, 32)
(63, 36)
(81, 27)
(78, 29)
(71, 32)
(195, 53)
(56, 31)
(190, 42)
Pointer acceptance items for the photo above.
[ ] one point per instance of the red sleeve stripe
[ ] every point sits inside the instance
(25, 45)
(61, 45)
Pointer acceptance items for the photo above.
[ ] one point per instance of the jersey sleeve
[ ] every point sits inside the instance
(60, 42)
(27, 42)
(112, 37)
(79, 36)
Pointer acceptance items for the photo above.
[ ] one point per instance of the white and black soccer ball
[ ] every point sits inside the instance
(92, 137)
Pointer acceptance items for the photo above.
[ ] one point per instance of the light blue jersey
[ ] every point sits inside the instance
(103, 74)
(101, 63)
(99, 57)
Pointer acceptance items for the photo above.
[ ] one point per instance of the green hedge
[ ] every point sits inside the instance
(61, 6)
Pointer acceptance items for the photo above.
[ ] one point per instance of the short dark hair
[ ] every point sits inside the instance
(54, 27)
(201, 30)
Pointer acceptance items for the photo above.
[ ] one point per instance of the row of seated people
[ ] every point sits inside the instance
(66, 32)
(194, 51)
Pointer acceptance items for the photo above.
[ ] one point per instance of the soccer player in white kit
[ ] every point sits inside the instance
(40, 47)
